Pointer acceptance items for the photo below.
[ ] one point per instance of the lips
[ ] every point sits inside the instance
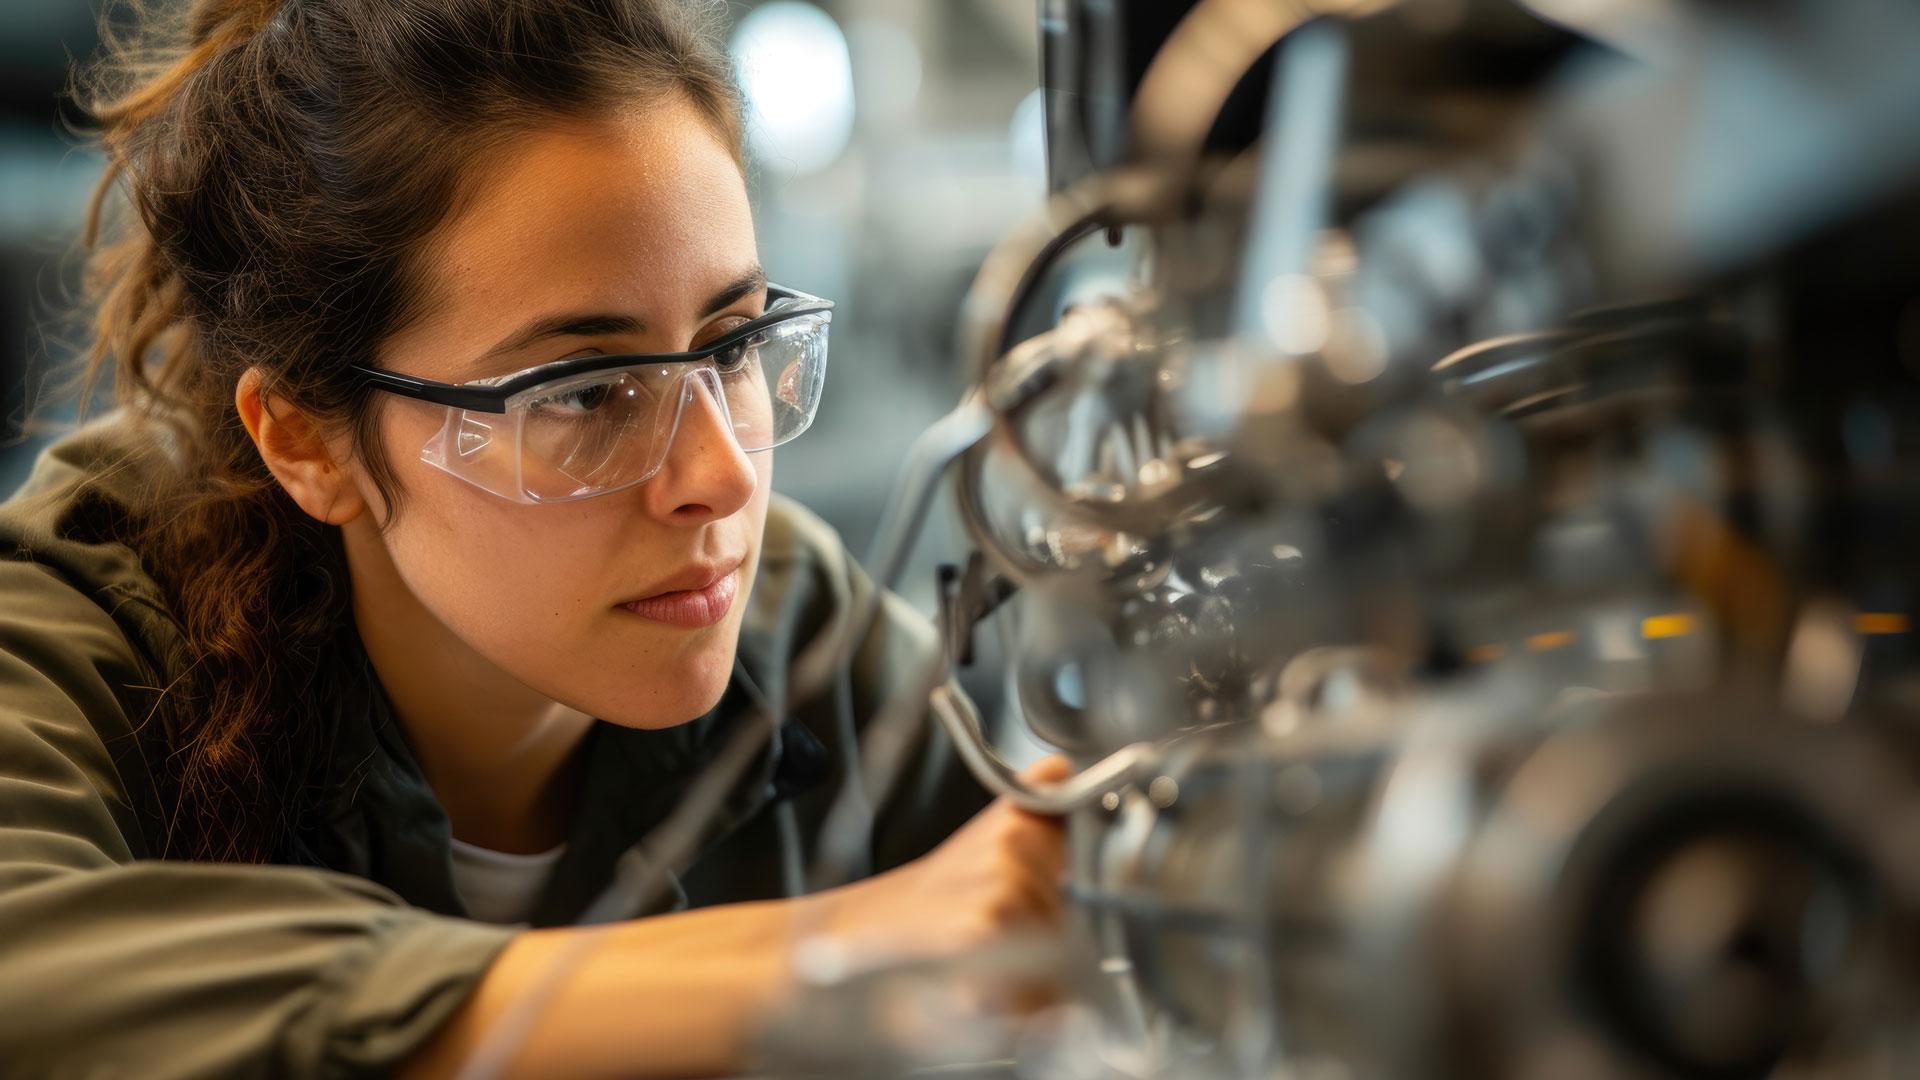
(697, 597)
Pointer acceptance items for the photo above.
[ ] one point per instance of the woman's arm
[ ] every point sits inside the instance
(681, 995)
(115, 963)
(670, 996)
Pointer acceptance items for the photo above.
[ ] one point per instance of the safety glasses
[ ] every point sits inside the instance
(600, 424)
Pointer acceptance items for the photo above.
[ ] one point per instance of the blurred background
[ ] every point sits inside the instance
(891, 144)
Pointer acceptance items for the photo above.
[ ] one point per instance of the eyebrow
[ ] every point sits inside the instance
(598, 324)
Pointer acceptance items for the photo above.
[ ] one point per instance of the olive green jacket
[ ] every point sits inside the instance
(343, 959)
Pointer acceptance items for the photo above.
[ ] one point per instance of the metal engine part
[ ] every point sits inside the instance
(1471, 563)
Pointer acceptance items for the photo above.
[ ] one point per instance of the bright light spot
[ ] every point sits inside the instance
(1294, 308)
(1356, 349)
(1550, 640)
(1882, 622)
(1656, 627)
(798, 78)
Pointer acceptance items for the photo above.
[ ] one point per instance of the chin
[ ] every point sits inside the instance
(682, 695)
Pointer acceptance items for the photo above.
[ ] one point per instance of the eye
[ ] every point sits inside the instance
(739, 354)
(734, 356)
(579, 401)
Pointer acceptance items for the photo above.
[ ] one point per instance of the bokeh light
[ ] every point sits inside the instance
(798, 77)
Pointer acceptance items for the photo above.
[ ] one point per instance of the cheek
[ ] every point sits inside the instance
(519, 585)
(531, 589)
(481, 563)
(515, 582)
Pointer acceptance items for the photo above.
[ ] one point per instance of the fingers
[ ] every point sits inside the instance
(1039, 842)
(1024, 853)
(1040, 900)
(1048, 770)
(1036, 851)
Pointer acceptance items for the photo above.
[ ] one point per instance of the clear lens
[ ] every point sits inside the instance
(793, 366)
(596, 433)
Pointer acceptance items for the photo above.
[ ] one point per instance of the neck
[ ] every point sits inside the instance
(502, 758)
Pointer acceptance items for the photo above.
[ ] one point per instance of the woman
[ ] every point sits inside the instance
(427, 564)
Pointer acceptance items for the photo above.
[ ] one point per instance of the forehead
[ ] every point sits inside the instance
(644, 213)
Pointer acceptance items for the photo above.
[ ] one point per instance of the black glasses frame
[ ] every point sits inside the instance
(493, 398)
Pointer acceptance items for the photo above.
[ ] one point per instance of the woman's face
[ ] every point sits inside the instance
(637, 229)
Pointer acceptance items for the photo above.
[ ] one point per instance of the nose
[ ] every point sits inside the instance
(705, 475)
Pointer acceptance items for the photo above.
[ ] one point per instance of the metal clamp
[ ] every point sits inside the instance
(1123, 768)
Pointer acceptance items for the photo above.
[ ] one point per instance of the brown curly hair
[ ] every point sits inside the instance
(275, 168)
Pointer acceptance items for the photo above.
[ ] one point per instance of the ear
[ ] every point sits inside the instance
(297, 453)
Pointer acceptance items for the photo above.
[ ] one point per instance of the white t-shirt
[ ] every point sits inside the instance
(499, 887)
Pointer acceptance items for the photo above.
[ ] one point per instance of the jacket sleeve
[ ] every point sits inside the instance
(115, 964)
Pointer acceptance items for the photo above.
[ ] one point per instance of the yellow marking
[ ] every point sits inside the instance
(1552, 639)
(1655, 627)
(1882, 622)
(1486, 654)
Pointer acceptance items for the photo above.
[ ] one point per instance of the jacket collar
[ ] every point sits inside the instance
(380, 818)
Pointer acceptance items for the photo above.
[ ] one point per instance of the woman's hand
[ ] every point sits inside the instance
(998, 875)
(680, 995)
